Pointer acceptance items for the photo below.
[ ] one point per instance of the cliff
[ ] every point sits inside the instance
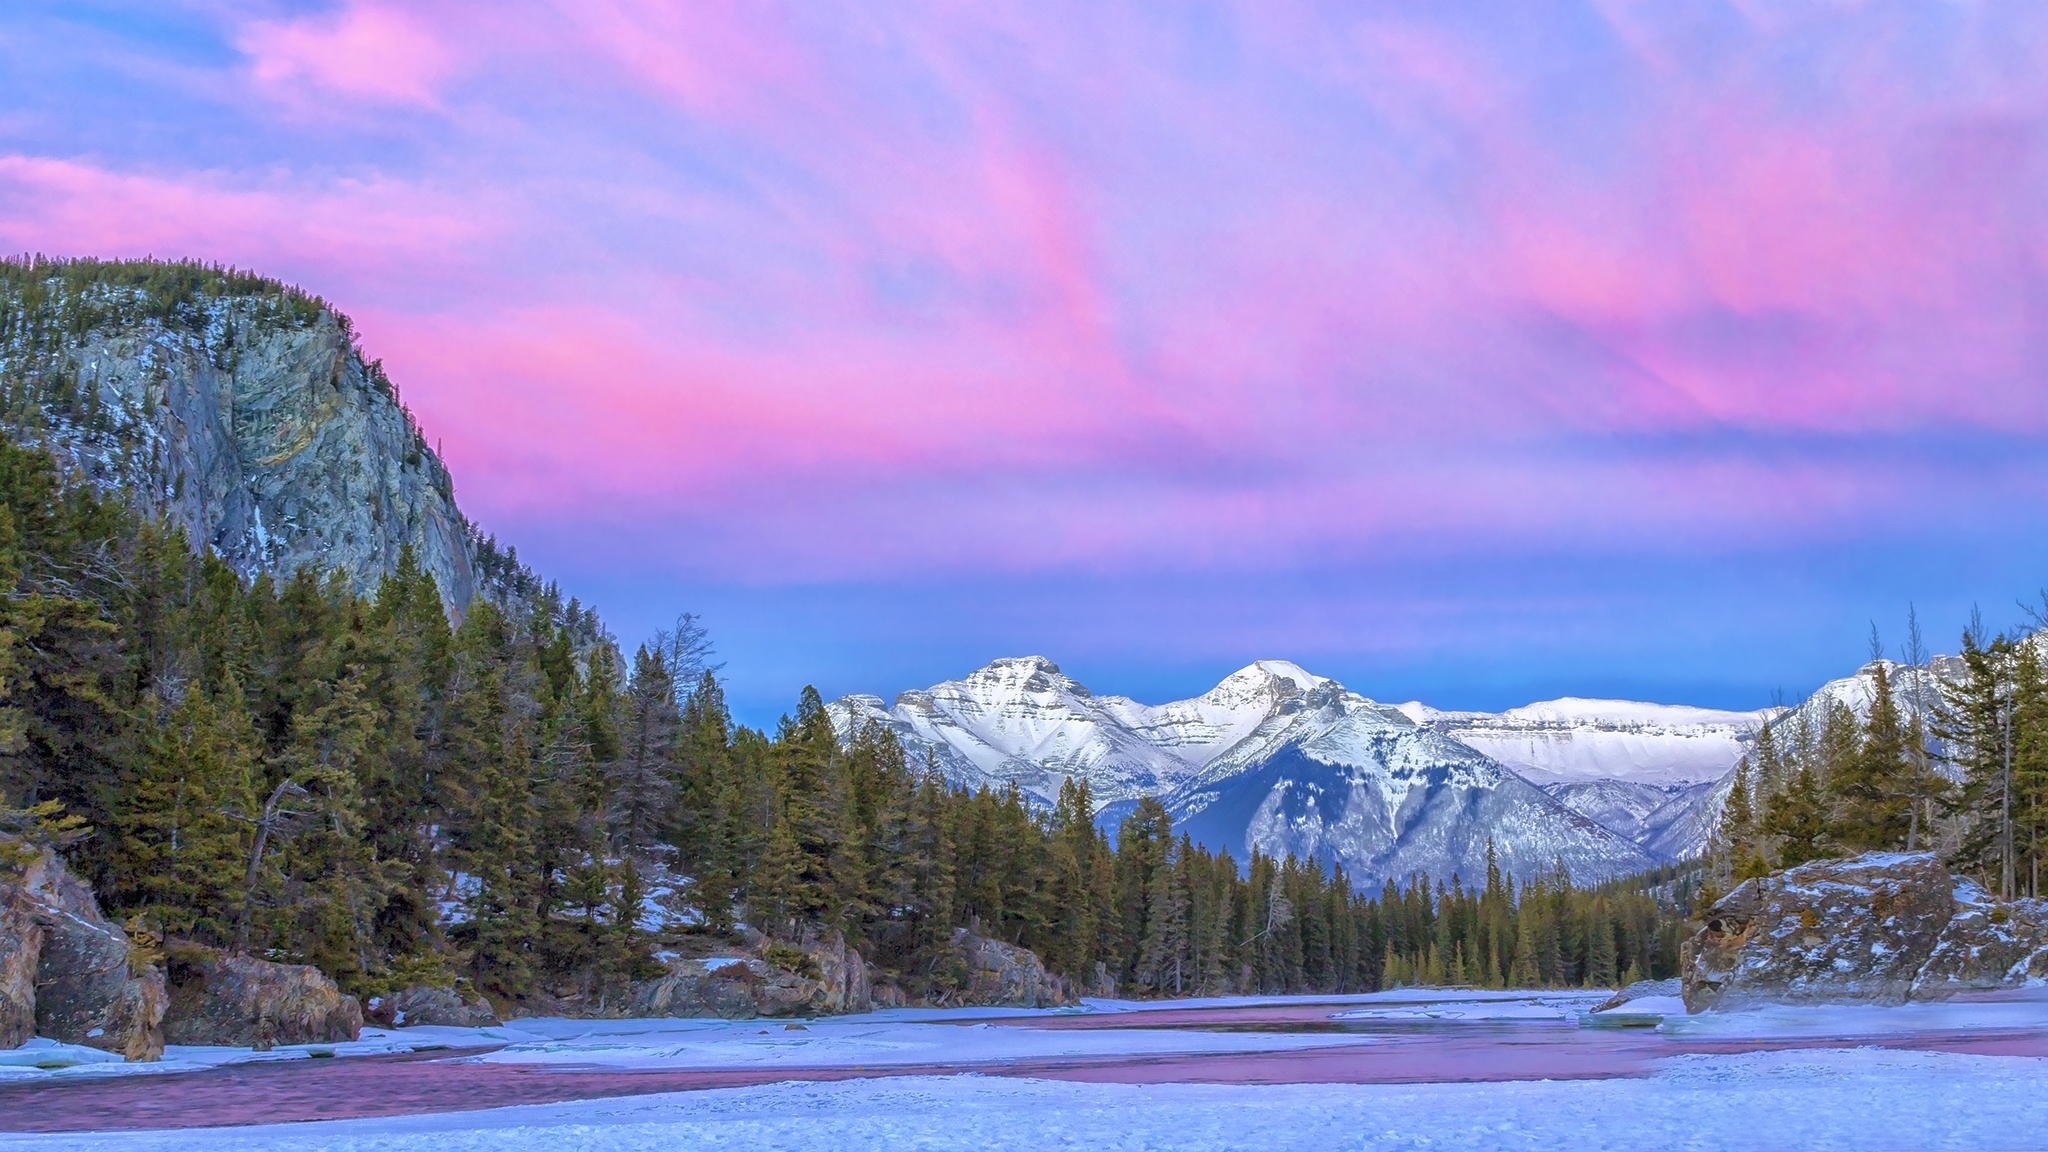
(234, 406)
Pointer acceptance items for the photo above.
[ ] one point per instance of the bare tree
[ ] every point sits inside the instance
(685, 650)
(289, 811)
(1914, 657)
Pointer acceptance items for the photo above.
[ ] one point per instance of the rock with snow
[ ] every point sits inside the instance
(218, 998)
(821, 975)
(422, 1005)
(1987, 945)
(1884, 927)
(1575, 741)
(1671, 988)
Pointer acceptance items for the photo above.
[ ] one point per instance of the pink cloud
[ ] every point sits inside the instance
(309, 228)
(1043, 279)
(363, 50)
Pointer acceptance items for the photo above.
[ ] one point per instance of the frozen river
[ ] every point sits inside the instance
(1392, 1070)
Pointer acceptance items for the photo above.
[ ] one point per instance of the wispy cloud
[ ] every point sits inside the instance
(1079, 291)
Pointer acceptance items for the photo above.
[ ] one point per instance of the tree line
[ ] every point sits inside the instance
(1950, 755)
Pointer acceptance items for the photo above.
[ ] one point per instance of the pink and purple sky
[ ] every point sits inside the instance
(1470, 351)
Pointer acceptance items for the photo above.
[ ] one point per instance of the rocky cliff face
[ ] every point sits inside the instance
(236, 408)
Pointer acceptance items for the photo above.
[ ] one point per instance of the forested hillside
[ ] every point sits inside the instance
(324, 768)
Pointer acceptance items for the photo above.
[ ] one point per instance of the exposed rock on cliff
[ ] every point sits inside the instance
(217, 998)
(21, 946)
(1886, 927)
(238, 409)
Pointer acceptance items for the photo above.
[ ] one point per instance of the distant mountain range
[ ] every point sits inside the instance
(1283, 760)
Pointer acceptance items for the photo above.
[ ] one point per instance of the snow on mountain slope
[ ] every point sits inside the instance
(1575, 740)
(1273, 757)
(1339, 779)
(1625, 806)
(1023, 721)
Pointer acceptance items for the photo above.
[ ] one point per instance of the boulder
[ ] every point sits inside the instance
(736, 989)
(419, 1006)
(1671, 988)
(240, 1001)
(92, 985)
(842, 974)
(1881, 928)
(21, 946)
(820, 976)
(1005, 975)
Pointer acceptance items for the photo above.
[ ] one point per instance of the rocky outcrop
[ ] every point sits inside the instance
(1004, 975)
(217, 998)
(68, 973)
(421, 1006)
(820, 977)
(245, 414)
(1882, 928)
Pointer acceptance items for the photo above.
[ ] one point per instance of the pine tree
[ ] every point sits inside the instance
(640, 783)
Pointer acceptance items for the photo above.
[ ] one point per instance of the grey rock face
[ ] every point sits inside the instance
(260, 430)
(1884, 928)
(218, 998)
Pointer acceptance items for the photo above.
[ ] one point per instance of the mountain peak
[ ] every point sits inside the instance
(1265, 676)
(1285, 670)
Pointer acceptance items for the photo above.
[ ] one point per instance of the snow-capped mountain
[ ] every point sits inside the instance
(1274, 757)
(1639, 770)
(1023, 721)
(1572, 741)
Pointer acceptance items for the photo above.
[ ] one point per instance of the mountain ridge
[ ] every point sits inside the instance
(1274, 757)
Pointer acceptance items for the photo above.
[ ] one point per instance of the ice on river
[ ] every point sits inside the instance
(1815, 1098)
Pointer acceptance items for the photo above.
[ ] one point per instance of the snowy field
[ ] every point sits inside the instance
(1829, 1098)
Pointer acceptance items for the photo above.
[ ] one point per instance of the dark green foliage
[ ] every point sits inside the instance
(288, 767)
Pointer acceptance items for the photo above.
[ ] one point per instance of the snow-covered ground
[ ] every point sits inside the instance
(1828, 1098)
